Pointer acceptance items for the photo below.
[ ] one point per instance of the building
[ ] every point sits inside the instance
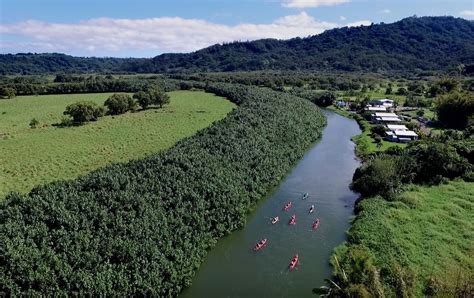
(394, 127)
(385, 118)
(376, 109)
(384, 102)
(400, 133)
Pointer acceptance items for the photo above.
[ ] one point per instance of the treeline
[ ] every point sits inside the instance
(92, 84)
(278, 80)
(143, 228)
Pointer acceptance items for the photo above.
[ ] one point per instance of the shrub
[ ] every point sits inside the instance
(7, 92)
(119, 104)
(34, 123)
(84, 111)
(378, 130)
(379, 176)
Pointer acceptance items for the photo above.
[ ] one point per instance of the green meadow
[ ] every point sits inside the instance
(33, 156)
(427, 231)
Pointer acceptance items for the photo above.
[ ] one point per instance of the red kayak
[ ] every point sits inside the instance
(316, 224)
(260, 245)
(292, 220)
(287, 206)
(294, 262)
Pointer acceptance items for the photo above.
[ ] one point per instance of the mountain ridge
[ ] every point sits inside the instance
(413, 43)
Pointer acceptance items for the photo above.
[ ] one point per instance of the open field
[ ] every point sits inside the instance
(29, 157)
(428, 231)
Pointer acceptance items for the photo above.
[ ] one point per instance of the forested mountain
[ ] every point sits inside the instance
(425, 43)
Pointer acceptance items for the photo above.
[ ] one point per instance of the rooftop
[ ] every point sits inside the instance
(396, 127)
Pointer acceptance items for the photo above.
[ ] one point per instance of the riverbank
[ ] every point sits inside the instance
(143, 228)
(411, 240)
(232, 269)
(421, 243)
(365, 143)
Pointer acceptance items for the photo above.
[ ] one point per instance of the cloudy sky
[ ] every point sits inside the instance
(145, 28)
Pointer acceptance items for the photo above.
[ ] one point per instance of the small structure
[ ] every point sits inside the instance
(400, 133)
(394, 127)
(385, 118)
(341, 104)
(376, 109)
(383, 102)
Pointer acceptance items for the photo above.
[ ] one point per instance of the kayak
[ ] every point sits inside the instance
(294, 262)
(292, 220)
(311, 209)
(275, 220)
(287, 206)
(305, 195)
(316, 224)
(260, 245)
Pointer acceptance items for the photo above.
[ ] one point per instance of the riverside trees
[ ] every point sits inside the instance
(144, 227)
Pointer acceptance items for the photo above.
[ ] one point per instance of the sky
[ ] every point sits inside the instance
(146, 28)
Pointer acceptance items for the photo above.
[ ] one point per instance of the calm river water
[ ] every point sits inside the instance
(232, 269)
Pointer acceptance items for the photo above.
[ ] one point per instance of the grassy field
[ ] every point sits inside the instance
(428, 231)
(29, 157)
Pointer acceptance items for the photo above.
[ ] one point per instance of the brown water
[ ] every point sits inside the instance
(233, 269)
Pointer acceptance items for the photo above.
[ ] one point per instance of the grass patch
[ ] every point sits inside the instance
(428, 231)
(30, 157)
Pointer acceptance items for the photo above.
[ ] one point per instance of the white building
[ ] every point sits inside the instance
(376, 109)
(385, 118)
(400, 133)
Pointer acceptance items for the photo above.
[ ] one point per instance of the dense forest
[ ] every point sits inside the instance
(143, 228)
(425, 43)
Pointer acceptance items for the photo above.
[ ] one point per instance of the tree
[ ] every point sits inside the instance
(151, 96)
(324, 99)
(402, 91)
(455, 110)
(143, 98)
(120, 103)
(7, 92)
(84, 111)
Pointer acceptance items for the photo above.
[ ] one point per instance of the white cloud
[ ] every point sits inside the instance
(468, 14)
(342, 18)
(385, 11)
(311, 3)
(106, 36)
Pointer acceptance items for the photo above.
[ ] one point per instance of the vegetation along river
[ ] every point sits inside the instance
(233, 269)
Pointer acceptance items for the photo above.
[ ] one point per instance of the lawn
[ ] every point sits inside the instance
(428, 231)
(29, 157)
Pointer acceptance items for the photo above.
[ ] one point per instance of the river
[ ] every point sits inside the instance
(233, 269)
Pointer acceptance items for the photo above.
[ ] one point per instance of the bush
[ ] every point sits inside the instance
(379, 176)
(7, 92)
(84, 111)
(34, 123)
(119, 104)
(378, 130)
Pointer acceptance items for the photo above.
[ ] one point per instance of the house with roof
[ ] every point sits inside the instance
(400, 133)
(385, 118)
